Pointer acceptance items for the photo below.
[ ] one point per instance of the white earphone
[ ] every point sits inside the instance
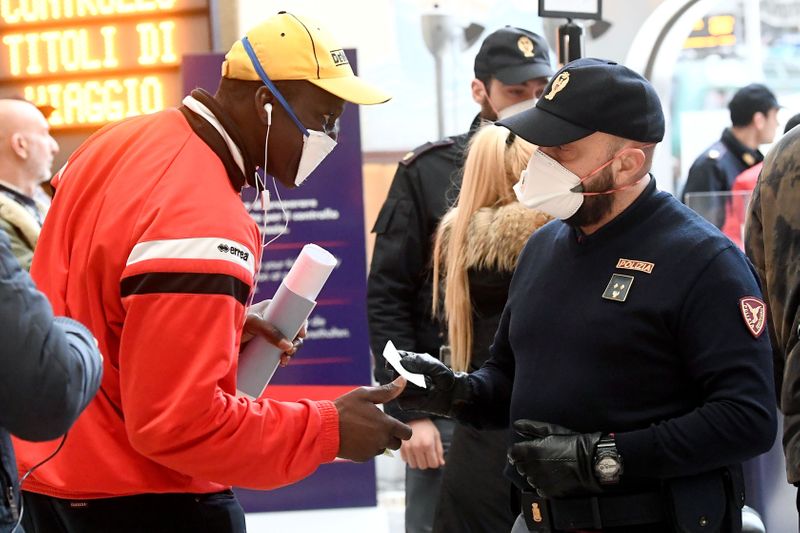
(268, 109)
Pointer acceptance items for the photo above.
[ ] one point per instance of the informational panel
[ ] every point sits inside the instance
(98, 61)
(713, 32)
(328, 210)
(579, 9)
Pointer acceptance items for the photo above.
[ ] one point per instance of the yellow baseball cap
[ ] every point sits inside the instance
(296, 48)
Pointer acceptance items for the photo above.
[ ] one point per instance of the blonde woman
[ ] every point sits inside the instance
(475, 252)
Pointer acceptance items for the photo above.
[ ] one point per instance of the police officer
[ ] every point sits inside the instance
(511, 70)
(631, 358)
(754, 120)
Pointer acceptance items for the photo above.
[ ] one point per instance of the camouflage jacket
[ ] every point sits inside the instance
(772, 242)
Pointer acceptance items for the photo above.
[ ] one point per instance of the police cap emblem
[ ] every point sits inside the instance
(525, 46)
(558, 85)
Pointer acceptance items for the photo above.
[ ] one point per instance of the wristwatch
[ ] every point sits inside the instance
(607, 461)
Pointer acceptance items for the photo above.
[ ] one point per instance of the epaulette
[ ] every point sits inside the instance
(427, 147)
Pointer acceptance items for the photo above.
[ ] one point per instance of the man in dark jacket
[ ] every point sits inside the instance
(631, 356)
(772, 241)
(50, 369)
(511, 70)
(754, 120)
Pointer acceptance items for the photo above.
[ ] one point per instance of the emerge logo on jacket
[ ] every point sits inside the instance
(233, 250)
(194, 248)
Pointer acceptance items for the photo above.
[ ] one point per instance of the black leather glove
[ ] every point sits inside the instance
(556, 461)
(447, 394)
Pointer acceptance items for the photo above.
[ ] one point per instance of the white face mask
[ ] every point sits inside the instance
(316, 147)
(316, 144)
(519, 107)
(547, 186)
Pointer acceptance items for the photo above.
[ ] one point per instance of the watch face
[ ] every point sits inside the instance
(607, 467)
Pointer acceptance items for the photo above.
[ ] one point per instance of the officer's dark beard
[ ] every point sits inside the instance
(594, 208)
(487, 111)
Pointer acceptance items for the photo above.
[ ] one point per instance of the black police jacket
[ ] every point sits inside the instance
(399, 286)
(716, 170)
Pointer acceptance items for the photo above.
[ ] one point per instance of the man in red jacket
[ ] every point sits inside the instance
(139, 245)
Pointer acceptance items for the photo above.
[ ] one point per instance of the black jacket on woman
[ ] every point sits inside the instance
(475, 494)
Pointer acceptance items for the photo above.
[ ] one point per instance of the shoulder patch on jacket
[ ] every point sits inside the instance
(427, 147)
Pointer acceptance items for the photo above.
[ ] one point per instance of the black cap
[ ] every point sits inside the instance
(513, 55)
(748, 101)
(791, 123)
(589, 95)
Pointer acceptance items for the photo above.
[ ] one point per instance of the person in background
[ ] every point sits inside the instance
(743, 184)
(149, 244)
(511, 69)
(26, 157)
(754, 120)
(475, 252)
(630, 359)
(772, 242)
(50, 368)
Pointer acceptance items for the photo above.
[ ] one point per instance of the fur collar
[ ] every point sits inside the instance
(496, 235)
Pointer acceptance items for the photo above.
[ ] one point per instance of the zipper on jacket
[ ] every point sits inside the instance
(12, 502)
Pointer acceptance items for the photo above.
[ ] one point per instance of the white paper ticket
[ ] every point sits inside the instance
(391, 354)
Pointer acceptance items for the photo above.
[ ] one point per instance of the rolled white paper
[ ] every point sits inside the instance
(310, 271)
(290, 307)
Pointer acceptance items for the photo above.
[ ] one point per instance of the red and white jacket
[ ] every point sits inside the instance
(149, 245)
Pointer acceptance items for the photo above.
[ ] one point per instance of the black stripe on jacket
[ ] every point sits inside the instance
(185, 283)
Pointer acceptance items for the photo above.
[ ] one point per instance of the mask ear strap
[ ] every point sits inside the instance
(579, 188)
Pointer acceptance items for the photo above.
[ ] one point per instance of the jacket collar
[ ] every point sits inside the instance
(496, 235)
(213, 125)
(25, 201)
(747, 156)
(16, 194)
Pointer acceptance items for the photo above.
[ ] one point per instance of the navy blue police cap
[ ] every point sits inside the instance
(513, 55)
(590, 95)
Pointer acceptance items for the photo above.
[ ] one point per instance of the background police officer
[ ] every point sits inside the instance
(511, 70)
(754, 120)
(631, 357)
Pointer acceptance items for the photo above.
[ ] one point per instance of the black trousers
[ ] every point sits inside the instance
(475, 493)
(218, 512)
